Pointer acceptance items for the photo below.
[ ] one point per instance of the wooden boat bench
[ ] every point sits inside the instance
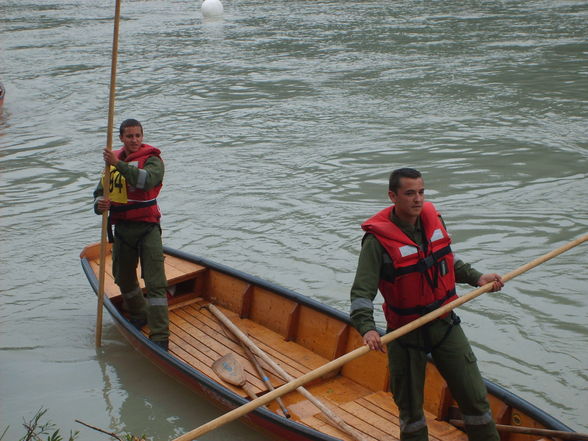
(185, 279)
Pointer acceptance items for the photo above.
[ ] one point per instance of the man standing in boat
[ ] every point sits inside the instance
(136, 175)
(406, 254)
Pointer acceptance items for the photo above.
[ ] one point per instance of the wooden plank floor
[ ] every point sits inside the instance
(198, 339)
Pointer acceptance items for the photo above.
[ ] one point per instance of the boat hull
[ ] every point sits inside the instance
(197, 280)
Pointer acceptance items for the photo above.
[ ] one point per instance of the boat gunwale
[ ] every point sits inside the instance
(509, 398)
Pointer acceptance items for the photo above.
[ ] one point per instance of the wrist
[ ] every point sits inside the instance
(365, 330)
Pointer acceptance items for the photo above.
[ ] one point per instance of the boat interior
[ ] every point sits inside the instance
(300, 339)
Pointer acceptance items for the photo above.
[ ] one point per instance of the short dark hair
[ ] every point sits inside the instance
(402, 173)
(129, 123)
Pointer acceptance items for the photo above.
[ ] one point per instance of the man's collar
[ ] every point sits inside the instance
(402, 224)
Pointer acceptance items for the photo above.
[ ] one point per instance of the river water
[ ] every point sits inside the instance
(279, 126)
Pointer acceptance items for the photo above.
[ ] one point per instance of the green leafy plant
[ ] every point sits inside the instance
(36, 430)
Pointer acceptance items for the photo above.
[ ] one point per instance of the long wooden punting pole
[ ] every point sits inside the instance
(338, 362)
(332, 416)
(106, 181)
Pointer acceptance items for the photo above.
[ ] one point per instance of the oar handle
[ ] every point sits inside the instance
(249, 391)
(338, 362)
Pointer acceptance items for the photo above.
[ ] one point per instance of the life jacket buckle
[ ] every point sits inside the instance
(428, 262)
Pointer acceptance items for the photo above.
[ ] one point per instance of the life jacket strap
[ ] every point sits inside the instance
(422, 309)
(425, 264)
(132, 206)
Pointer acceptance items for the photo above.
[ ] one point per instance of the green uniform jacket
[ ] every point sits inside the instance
(367, 277)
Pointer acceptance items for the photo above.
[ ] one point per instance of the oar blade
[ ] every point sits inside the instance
(230, 370)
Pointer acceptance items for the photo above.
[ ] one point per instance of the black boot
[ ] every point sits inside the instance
(163, 344)
(138, 323)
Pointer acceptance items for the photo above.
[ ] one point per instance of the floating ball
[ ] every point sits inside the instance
(212, 8)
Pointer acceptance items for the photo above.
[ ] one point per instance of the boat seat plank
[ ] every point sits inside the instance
(181, 264)
(176, 270)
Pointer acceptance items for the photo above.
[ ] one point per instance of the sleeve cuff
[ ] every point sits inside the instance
(362, 330)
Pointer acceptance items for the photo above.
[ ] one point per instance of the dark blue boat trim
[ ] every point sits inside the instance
(524, 406)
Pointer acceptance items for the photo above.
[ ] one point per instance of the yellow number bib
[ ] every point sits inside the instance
(118, 186)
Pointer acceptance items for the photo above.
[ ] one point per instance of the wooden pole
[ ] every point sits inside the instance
(106, 181)
(338, 362)
(264, 377)
(258, 368)
(332, 416)
(533, 431)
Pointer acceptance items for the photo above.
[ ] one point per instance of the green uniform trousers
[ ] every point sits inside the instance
(136, 242)
(453, 356)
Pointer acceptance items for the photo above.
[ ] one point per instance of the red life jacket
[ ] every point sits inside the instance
(141, 205)
(413, 281)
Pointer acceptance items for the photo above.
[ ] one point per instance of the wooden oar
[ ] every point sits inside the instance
(106, 188)
(230, 370)
(258, 368)
(264, 377)
(338, 362)
(533, 431)
(332, 416)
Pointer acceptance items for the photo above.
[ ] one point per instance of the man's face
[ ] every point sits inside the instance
(409, 199)
(132, 138)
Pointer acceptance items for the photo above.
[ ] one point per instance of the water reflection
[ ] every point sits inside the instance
(140, 399)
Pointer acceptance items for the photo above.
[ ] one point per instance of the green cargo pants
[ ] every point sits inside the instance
(136, 242)
(453, 356)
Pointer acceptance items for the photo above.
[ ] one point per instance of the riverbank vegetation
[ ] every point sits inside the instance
(40, 429)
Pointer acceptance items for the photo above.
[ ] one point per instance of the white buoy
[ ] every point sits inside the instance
(212, 8)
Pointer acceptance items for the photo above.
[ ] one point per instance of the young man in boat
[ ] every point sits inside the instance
(406, 254)
(136, 175)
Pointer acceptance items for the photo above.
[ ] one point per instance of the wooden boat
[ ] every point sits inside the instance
(300, 334)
